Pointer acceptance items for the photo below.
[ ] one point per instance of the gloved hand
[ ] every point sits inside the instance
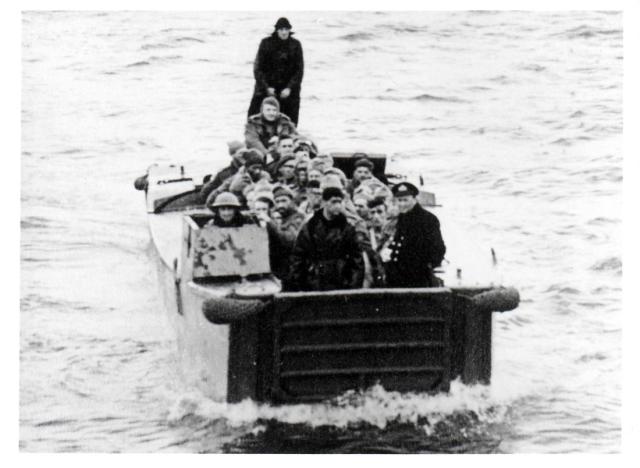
(284, 94)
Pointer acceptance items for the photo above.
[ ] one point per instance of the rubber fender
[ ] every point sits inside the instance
(497, 300)
(221, 310)
(141, 183)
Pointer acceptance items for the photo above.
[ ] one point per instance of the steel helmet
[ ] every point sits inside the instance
(225, 199)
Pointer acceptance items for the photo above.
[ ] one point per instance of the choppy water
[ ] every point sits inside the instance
(514, 118)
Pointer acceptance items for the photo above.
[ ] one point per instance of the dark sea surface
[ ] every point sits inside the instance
(513, 118)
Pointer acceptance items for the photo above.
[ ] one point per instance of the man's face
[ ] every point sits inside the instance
(301, 175)
(314, 174)
(269, 112)
(282, 203)
(315, 197)
(362, 173)
(379, 215)
(324, 159)
(226, 213)
(361, 207)
(405, 203)
(255, 171)
(283, 33)
(302, 155)
(287, 170)
(285, 147)
(334, 206)
(260, 206)
(276, 217)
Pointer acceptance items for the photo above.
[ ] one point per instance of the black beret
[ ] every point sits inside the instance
(377, 201)
(405, 188)
(330, 192)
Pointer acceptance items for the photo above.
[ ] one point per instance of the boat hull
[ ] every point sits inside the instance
(244, 338)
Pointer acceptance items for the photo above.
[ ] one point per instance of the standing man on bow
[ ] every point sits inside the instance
(278, 71)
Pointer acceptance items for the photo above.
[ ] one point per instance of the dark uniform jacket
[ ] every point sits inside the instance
(417, 247)
(217, 181)
(279, 64)
(326, 256)
(282, 238)
(258, 131)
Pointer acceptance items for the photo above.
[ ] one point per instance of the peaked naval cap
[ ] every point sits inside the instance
(405, 188)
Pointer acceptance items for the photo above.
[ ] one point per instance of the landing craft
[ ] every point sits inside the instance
(240, 336)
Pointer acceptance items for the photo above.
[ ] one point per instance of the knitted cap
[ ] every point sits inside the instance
(282, 190)
(283, 23)
(234, 146)
(253, 157)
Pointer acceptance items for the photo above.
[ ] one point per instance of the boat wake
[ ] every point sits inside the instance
(466, 420)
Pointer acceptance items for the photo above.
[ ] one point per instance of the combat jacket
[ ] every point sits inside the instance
(326, 256)
(258, 131)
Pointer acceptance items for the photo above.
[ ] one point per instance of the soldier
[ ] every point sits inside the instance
(226, 211)
(313, 201)
(314, 174)
(247, 176)
(361, 204)
(382, 228)
(283, 231)
(327, 255)
(236, 151)
(417, 245)
(270, 122)
(285, 171)
(283, 147)
(278, 70)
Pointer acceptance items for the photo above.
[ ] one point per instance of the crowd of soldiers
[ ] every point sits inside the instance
(326, 231)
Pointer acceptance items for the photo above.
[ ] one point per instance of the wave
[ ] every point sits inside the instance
(431, 97)
(608, 264)
(360, 36)
(460, 433)
(372, 421)
(479, 88)
(584, 31)
(562, 289)
(591, 357)
(189, 39)
(502, 79)
(533, 67)
(400, 28)
(157, 58)
(600, 220)
(34, 222)
(138, 64)
(156, 46)
(70, 151)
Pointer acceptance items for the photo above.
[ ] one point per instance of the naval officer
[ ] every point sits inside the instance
(417, 245)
